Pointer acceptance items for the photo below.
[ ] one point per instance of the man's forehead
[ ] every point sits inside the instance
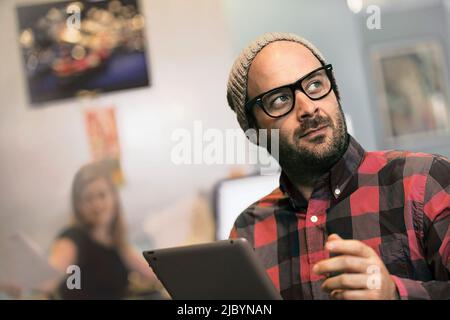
(279, 63)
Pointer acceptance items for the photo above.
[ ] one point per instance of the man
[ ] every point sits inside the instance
(344, 223)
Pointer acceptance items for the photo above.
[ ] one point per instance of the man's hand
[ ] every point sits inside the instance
(363, 274)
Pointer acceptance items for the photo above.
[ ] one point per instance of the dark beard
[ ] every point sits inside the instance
(303, 164)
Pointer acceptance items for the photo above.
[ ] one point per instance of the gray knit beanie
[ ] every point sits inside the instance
(237, 81)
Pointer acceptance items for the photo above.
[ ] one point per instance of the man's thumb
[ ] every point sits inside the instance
(333, 237)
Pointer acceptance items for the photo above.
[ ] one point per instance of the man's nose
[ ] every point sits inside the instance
(304, 106)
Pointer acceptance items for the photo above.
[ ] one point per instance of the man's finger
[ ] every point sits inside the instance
(350, 247)
(346, 281)
(353, 295)
(333, 237)
(343, 264)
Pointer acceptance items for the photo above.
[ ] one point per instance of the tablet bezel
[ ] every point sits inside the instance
(220, 270)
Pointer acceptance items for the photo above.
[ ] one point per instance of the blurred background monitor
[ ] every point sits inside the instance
(232, 196)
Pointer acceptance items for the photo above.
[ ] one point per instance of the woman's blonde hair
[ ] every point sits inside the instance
(85, 175)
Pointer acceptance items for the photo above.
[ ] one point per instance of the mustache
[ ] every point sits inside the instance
(311, 124)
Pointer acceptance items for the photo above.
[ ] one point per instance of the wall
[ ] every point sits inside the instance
(406, 23)
(41, 148)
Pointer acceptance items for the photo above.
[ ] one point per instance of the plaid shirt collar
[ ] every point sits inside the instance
(335, 180)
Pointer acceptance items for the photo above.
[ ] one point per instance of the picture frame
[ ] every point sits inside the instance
(77, 48)
(411, 79)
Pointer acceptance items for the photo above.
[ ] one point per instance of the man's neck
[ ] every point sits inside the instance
(303, 180)
(306, 191)
(304, 177)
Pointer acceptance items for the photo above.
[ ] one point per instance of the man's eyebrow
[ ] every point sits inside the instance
(311, 75)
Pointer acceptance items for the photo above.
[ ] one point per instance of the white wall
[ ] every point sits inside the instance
(41, 148)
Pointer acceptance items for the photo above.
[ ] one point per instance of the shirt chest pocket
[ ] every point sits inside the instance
(395, 257)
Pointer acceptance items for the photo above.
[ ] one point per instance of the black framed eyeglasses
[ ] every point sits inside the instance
(280, 101)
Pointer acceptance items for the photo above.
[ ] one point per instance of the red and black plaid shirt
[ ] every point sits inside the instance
(396, 202)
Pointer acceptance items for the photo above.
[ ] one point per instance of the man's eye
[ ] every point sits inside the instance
(314, 86)
(280, 100)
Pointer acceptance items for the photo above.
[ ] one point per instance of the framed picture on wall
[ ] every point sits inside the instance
(70, 48)
(412, 92)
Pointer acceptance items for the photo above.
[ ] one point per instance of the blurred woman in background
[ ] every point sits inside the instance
(96, 241)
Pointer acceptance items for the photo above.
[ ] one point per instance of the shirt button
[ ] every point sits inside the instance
(337, 191)
(314, 219)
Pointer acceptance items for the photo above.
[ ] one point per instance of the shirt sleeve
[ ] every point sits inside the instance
(435, 237)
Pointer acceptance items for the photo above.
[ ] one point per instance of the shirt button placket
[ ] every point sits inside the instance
(314, 239)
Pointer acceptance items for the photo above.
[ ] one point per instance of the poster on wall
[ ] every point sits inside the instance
(412, 90)
(71, 48)
(103, 139)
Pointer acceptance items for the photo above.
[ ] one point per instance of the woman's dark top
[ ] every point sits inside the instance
(103, 272)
